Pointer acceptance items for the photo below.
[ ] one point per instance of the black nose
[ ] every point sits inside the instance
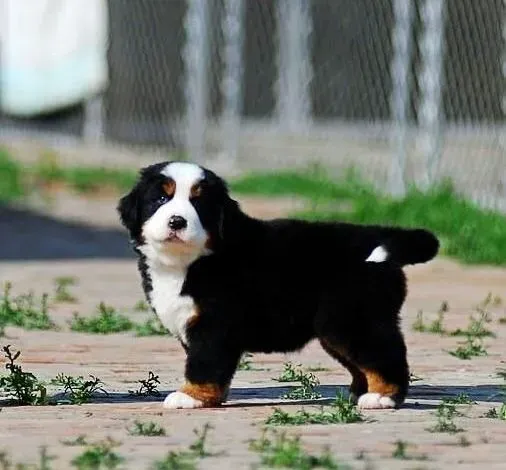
(176, 222)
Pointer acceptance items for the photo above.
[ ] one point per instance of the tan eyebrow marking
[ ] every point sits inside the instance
(196, 190)
(169, 187)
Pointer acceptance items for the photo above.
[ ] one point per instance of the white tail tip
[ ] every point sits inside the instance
(378, 255)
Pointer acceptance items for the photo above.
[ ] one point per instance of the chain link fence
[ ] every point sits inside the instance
(405, 91)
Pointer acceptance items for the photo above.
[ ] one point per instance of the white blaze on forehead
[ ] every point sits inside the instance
(185, 175)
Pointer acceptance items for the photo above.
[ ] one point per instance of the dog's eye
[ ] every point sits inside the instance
(196, 190)
(163, 198)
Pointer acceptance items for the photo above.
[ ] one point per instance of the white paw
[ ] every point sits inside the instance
(375, 401)
(181, 400)
(378, 255)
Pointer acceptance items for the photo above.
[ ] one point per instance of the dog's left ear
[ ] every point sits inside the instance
(129, 212)
(229, 223)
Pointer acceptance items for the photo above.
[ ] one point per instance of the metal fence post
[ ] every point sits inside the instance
(294, 64)
(431, 84)
(401, 87)
(231, 85)
(196, 60)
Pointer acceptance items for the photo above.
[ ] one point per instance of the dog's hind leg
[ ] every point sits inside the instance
(377, 362)
(359, 381)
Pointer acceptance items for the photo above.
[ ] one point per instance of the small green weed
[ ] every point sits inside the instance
(476, 327)
(460, 399)
(445, 414)
(141, 306)
(187, 460)
(286, 452)
(472, 347)
(414, 378)
(99, 456)
(24, 311)
(400, 452)
(23, 388)
(494, 413)
(78, 389)
(245, 362)
(151, 327)
(146, 429)
(106, 322)
(44, 461)
(308, 383)
(148, 387)
(78, 441)
(340, 412)
(317, 368)
(437, 326)
(62, 293)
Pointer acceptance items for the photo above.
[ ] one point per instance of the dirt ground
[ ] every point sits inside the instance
(52, 247)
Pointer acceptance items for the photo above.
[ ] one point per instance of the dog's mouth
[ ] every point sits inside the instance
(174, 238)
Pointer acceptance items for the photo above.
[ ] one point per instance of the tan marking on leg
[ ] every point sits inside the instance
(377, 384)
(359, 382)
(209, 394)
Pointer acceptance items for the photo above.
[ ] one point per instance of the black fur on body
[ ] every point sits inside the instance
(273, 286)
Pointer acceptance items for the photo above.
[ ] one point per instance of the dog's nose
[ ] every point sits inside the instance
(176, 222)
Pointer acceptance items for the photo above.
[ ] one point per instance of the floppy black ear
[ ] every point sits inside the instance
(229, 224)
(129, 208)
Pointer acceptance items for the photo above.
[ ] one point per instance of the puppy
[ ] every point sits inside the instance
(225, 283)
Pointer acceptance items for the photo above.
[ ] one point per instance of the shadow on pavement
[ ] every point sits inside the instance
(26, 235)
(270, 396)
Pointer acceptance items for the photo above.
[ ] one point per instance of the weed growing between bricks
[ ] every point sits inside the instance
(188, 459)
(44, 462)
(149, 428)
(400, 452)
(24, 311)
(446, 412)
(98, 456)
(148, 387)
(21, 387)
(77, 389)
(282, 451)
(24, 388)
(308, 383)
(107, 321)
(62, 293)
(342, 411)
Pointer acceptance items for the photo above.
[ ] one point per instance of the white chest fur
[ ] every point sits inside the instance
(173, 309)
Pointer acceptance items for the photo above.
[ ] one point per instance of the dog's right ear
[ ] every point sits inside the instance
(129, 208)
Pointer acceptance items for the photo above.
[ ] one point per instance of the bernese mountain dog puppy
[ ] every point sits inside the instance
(225, 283)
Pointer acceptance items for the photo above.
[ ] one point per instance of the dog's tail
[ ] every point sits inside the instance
(404, 246)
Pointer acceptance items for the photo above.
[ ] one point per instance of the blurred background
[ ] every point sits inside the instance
(403, 91)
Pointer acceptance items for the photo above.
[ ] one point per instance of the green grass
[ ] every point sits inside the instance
(151, 327)
(467, 232)
(11, 178)
(446, 412)
(18, 180)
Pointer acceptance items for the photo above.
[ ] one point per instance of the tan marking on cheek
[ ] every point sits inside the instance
(170, 188)
(210, 394)
(377, 384)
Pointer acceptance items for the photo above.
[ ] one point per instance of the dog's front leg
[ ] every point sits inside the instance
(211, 362)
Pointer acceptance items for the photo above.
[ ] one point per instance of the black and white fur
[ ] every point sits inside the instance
(225, 283)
